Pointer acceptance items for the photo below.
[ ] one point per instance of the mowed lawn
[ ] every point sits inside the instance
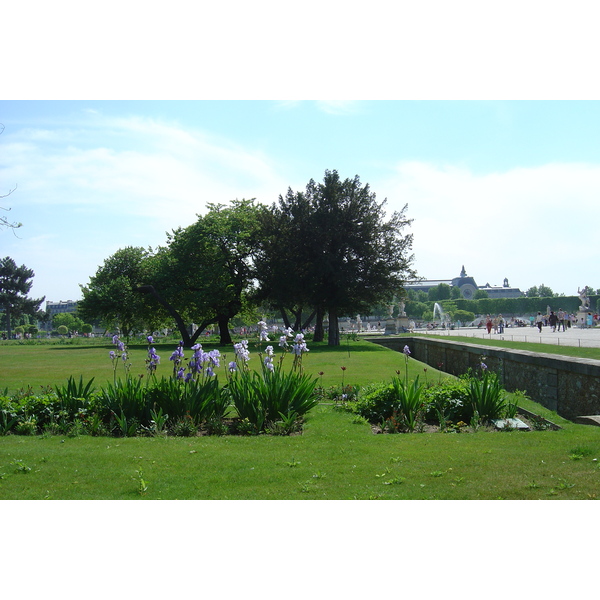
(336, 457)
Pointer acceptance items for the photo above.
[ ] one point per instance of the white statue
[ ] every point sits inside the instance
(585, 301)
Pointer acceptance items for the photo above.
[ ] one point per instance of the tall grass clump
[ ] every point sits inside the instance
(271, 395)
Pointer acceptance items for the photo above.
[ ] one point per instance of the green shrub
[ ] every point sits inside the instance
(448, 401)
(125, 399)
(376, 402)
(271, 396)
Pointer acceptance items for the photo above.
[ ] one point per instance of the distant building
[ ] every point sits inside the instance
(467, 286)
(64, 306)
(55, 308)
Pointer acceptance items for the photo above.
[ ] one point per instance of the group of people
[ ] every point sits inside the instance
(562, 320)
(496, 323)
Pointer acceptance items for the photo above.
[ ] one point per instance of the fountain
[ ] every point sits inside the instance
(440, 311)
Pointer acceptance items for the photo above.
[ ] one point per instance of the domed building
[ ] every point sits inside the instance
(467, 286)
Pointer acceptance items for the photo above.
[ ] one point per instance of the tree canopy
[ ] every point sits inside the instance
(15, 284)
(336, 250)
(204, 273)
(111, 295)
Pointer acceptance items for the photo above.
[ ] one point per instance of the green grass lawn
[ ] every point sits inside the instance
(334, 458)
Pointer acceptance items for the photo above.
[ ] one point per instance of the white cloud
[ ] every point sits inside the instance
(532, 225)
(107, 183)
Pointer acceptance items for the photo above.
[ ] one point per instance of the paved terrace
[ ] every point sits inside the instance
(582, 338)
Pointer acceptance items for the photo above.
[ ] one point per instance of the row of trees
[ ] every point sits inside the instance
(324, 252)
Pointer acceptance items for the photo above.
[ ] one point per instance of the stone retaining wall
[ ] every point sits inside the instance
(569, 386)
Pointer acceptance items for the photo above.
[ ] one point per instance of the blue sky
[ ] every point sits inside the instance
(507, 188)
(484, 122)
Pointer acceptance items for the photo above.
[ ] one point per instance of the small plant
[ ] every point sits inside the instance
(26, 427)
(245, 427)
(142, 484)
(580, 452)
(306, 486)
(126, 428)
(7, 421)
(487, 396)
(289, 423)
(293, 463)
(216, 426)
(411, 410)
(385, 473)
(158, 423)
(185, 427)
(564, 485)
(395, 481)
(20, 467)
(359, 420)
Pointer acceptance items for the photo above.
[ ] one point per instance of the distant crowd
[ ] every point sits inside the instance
(558, 321)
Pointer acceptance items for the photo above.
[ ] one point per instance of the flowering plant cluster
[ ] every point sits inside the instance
(119, 356)
(271, 396)
(201, 365)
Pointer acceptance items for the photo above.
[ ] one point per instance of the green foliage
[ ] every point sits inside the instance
(346, 255)
(541, 291)
(464, 316)
(410, 410)
(68, 320)
(111, 295)
(271, 396)
(487, 397)
(125, 400)
(206, 270)
(439, 292)
(201, 400)
(15, 284)
(376, 402)
(447, 401)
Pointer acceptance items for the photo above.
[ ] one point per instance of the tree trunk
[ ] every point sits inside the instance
(333, 336)
(185, 336)
(319, 331)
(298, 319)
(224, 333)
(8, 329)
(308, 321)
(284, 316)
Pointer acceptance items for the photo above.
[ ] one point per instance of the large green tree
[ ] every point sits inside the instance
(541, 291)
(111, 295)
(338, 250)
(285, 261)
(205, 272)
(15, 284)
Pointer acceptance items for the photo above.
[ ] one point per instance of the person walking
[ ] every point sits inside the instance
(488, 324)
(561, 319)
(539, 321)
(552, 321)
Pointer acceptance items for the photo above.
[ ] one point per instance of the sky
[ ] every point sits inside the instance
(505, 188)
(484, 126)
